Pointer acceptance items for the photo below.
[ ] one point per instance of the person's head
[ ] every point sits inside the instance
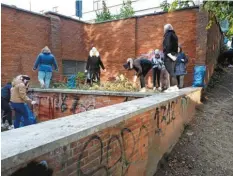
(46, 50)
(157, 54)
(25, 79)
(94, 52)
(129, 64)
(168, 27)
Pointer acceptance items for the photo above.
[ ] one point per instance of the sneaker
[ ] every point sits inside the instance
(143, 90)
(154, 88)
(159, 89)
(230, 66)
(3, 125)
(11, 127)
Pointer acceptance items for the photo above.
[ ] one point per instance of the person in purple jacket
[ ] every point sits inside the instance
(45, 63)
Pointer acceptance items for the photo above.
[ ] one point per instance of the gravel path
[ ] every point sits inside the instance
(206, 146)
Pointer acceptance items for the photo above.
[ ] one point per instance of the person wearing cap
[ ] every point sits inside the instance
(142, 67)
(157, 66)
(19, 98)
(170, 49)
(180, 69)
(45, 63)
(94, 63)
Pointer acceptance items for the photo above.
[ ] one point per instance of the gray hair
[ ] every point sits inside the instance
(168, 27)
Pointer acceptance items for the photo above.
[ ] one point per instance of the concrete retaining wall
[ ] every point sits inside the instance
(123, 139)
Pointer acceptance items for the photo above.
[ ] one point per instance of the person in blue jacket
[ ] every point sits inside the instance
(5, 106)
(180, 68)
(45, 63)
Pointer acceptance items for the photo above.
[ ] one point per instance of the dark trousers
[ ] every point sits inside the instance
(143, 75)
(94, 75)
(170, 67)
(20, 111)
(180, 80)
(156, 76)
(7, 113)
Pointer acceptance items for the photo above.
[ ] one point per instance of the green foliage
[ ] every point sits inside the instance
(104, 15)
(221, 10)
(80, 78)
(175, 5)
(126, 11)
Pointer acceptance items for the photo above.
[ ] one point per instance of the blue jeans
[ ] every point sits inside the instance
(44, 78)
(20, 111)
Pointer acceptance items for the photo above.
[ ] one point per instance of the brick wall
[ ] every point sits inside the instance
(116, 40)
(54, 105)
(23, 36)
(131, 147)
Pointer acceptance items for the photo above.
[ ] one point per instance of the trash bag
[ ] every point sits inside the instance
(31, 117)
(71, 83)
(199, 76)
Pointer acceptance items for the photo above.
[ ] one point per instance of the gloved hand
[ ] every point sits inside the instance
(135, 79)
(85, 71)
(33, 102)
(182, 60)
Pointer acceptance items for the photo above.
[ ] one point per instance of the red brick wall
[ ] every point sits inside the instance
(132, 147)
(116, 40)
(55, 105)
(23, 36)
(150, 34)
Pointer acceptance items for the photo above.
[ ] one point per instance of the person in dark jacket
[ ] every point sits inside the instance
(93, 66)
(170, 47)
(157, 67)
(142, 67)
(5, 106)
(45, 63)
(181, 62)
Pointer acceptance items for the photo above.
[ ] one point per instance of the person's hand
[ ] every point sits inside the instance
(33, 102)
(182, 60)
(85, 71)
(104, 70)
(135, 79)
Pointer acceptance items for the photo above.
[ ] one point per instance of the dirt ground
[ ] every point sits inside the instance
(206, 146)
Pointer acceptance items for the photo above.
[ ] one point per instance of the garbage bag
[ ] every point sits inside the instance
(199, 75)
(31, 117)
(71, 83)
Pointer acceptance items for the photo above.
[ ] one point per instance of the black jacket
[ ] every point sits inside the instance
(170, 42)
(6, 92)
(94, 63)
(142, 66)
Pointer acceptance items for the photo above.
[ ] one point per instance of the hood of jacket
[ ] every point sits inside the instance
(130, 62)
(92, 51)
(19, 79)
(46, 50)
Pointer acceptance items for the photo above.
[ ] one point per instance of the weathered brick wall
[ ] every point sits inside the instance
(150, 34)
(131, 147)
(23, 36)
(214, 44)
(54, 105)
(115, 40)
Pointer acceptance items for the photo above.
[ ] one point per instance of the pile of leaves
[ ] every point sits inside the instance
(120, 83)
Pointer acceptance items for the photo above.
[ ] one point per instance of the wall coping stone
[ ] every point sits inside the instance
(93, 92)
(24, 144)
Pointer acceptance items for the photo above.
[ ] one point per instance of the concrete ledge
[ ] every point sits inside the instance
(24, 144)
(92, 92)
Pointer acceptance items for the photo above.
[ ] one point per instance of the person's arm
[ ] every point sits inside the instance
(55, 63)
(23, 93)
(101, 64)
(37, 62)
(88, 63)
(167, 43)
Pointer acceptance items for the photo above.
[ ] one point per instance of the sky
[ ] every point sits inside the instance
(65, 7)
